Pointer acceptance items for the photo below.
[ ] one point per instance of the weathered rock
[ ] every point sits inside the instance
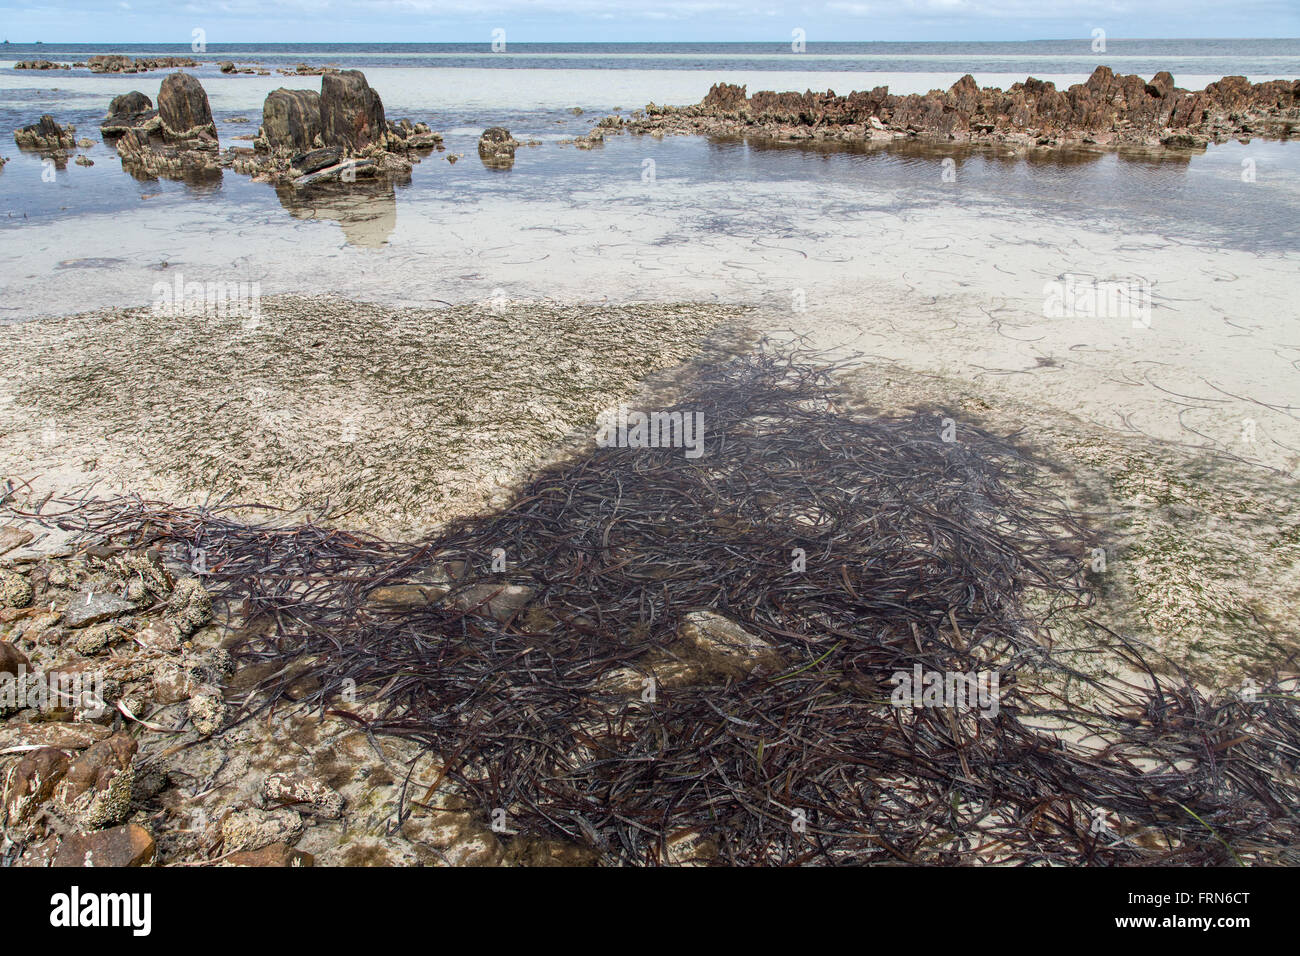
(351, 113)
(207, 710)
(93, 608)
(190, 606)
(496, 147)
(122, 846)
(41, 65)
(46, 134)
(254, 829)
(30, 782)
(133, 102)
(51, 733)
(303, 793)
(291, 119)
(183, 107)
(12, 537)
(501, 601)
(110, 63)
(93, 640)
(15, 590)
(97, 788)
(278, 854)
(226, 66)
(12, 660)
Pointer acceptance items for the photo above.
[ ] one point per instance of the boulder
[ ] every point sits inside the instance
(183, 106)
(133, 102)
(351, 113)
(496, 147)
(291, 119)
(129, 845)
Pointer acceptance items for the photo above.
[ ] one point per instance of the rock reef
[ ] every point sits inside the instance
(1107, 110)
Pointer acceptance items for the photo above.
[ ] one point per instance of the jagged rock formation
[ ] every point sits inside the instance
(116, 63)
(337, 135)
(1106, 110)
(46, 135)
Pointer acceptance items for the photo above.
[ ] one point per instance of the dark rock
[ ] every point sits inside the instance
(291, 119)
(31, 782)
(314, 160)
(12, 660)
(46, 134)
(183, 107)
(352, 115)
(97, 788)
(133, 102)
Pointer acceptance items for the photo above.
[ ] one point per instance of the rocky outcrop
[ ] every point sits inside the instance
(184, 110)
(116, 63)
(1108, 109)
(130, 111)
(46, 135)
(351, 113)
(41, 65)
(291, 119)
(496, 147)
(337, 136)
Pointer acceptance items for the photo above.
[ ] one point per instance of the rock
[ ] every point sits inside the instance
(709, 648)
(346, 171)
(30, 782)
(277, 854)
(502, 601)
(190, 606)
(122, 846)
(109, 63)
(97, 788)
(90, 608)
(351, 113)
(183, 107)
(12, 536)
(46, 134)
(496, 147)
(207, 710)
(12, 660)
(15, 590)
(130, 111)
(254, 829)
(133, 102)
(303, 793)
(159, 635)
(722, 646)
(51, 733)
(315, 160)
(40, 65)
(291, 119)
(226, 66)
(93, 640)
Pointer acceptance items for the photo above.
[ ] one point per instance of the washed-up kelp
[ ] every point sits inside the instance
(518, 649)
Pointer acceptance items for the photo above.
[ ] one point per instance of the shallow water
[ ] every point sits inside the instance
(869, 249)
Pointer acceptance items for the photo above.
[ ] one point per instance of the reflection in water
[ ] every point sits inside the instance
(367, 209)
(202, 181)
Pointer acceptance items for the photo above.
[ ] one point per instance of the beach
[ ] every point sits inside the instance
(410, 355)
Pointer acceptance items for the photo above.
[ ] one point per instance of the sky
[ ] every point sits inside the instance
(440, 21)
